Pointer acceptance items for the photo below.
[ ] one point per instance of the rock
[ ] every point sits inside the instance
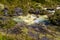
(2, 18)
(44, 38)
(18, 11)
(33, 35)
(52, 11)
(37, 11)
(5, 11)
(15, 30)
(31, 10)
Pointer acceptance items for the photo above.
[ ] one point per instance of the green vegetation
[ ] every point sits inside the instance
(7, 23)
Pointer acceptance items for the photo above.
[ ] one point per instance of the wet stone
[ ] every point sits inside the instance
(46, 22)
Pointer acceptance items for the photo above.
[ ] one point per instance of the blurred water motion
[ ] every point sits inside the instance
(31, 19)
